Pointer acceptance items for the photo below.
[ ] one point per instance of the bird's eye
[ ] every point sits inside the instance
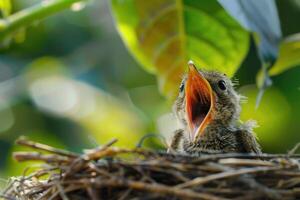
(181, 88)
(222, 85)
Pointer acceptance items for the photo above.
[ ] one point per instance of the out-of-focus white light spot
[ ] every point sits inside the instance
(64, 97)
(87, 103)
(166, 126)
(54, 94)
(46, 2)
(78, 6)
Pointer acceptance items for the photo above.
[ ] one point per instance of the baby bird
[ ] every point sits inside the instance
(208, 109)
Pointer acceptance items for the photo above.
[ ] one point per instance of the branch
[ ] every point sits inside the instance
(35, 145)
(26, 156)
(32, 14)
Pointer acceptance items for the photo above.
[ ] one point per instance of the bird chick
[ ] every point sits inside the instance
(208, 109)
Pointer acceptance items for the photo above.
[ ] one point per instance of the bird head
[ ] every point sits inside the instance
(205, 98)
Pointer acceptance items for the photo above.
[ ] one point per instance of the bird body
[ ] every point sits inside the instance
(208, 109)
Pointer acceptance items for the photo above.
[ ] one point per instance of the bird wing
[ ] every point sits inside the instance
(247, 138)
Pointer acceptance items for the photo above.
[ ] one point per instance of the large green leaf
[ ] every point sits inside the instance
(164, 34)
(289, 55)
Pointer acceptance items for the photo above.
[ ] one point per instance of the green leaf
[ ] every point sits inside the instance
(289, 55)
(164, 34)
(5, 7)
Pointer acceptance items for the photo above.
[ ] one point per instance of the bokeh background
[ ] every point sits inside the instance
(70, 82)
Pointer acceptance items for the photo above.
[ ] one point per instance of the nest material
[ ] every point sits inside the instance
(116, 173)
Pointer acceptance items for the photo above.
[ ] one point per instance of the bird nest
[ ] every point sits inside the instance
(117, 173)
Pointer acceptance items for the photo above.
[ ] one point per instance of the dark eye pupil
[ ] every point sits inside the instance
(181, 87)
(222, 85)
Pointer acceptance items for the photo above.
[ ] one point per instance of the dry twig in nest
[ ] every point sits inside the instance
(116, 173)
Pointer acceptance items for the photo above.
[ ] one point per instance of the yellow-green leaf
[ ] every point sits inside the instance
(5, 7)
(164, 34)
(289, 55)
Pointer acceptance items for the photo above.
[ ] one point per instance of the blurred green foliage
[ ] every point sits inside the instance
(72, 83)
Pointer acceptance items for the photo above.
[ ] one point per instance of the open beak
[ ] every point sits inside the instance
(199, 102)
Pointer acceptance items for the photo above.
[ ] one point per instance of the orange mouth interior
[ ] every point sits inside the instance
(199, 102)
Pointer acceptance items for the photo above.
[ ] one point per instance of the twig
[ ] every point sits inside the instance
(61, 191)
(154, 187)
(7, 197)
(245, 162)
(151, 135)
(125, 194)
(38, 146)
(88, 156)
(98, 152)
(202, 180)
(92, 193)
(294, 149)
(30, 156)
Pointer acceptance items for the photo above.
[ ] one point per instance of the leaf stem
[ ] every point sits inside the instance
(32, 14)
